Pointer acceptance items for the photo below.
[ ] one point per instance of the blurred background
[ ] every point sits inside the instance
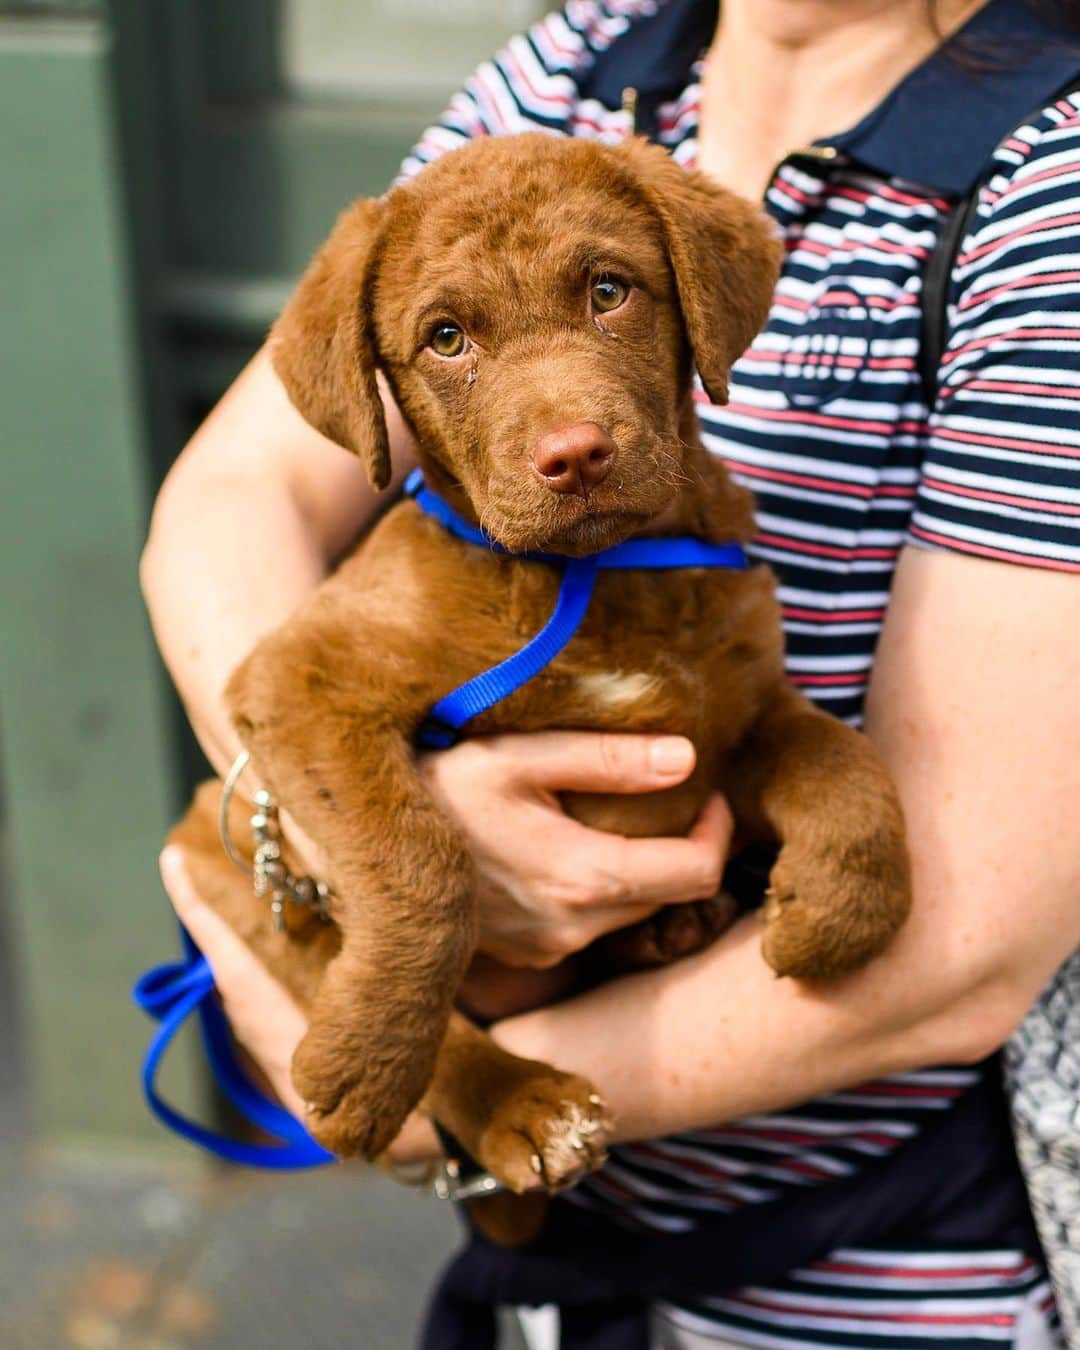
(166, 168)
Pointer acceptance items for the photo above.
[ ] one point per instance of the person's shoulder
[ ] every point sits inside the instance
(1052, 127)
(1027, 208)
(1035, 169)
(1000, 474)
(538, 81)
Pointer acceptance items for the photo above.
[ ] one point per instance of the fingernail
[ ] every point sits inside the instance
(671, 755)
(170, 863)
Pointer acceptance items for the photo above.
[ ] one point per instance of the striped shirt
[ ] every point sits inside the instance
(879, 1300)
(829, 426)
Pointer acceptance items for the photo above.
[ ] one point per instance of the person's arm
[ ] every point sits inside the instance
(974, 706)
(249, 520)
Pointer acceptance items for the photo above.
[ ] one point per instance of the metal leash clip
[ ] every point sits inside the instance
(269, 874)
(458, 1177)
(450, 1183)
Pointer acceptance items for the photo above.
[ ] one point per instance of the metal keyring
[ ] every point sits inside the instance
(269, 874)
(239, 764)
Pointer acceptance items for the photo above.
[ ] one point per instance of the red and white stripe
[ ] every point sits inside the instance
(827, 425)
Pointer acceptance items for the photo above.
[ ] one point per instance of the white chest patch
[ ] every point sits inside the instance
(616, 688)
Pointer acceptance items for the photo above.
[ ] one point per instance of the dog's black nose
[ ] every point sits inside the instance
(575, 459)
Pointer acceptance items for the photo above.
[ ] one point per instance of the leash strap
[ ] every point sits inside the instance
(442, 725)
(477, 695)
(658, 554)
(170, 993)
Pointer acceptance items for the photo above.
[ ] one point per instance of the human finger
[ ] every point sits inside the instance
(594, 761)
(657, 871)
(262, 1013)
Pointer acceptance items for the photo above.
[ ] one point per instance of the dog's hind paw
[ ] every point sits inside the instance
(546, 1133)
(668, 935)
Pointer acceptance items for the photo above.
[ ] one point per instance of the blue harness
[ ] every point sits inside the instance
(171, 993)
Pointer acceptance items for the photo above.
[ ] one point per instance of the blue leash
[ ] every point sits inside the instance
(172, 992)
(469, 700)
(444, 722)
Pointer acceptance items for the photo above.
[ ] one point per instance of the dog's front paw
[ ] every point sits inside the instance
(831, 911)
(668, 935)
(546, 1132)
(358, 1087)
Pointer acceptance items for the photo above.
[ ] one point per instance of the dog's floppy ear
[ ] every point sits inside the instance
(323, 348)
(725, 254)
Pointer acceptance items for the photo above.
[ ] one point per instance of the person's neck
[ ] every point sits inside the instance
(781, 74)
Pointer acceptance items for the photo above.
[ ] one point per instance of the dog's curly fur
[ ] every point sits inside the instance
(504, 239)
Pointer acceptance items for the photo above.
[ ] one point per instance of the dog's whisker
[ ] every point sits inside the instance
(484, 515)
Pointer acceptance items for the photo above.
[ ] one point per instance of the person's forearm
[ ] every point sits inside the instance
(973, 708)
(719, 1037)
(249, 521)
(225, 564)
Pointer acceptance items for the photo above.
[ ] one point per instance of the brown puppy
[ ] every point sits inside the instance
(537, 306)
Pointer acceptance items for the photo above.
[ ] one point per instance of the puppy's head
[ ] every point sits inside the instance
(537, 305)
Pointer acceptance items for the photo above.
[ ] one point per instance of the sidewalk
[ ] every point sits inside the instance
(169, 1253)
(108, 1256)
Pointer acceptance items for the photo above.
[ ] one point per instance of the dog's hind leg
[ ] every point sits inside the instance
(533, 1127)
(668, 935)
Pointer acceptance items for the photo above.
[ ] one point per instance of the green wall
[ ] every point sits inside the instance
(86, 749)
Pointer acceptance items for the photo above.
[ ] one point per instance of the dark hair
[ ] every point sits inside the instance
(966, 51)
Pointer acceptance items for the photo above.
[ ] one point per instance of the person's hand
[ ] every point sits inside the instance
(263, 1015)
(549, 886)
(264, 1018)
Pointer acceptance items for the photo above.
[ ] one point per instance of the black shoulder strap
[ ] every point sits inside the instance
(937, 276)
(939, 267)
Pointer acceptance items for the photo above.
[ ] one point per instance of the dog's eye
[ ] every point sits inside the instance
(448, 340)
(608, 293)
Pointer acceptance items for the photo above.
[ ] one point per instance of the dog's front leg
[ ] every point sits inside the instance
(328, 738)
(841, 887)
